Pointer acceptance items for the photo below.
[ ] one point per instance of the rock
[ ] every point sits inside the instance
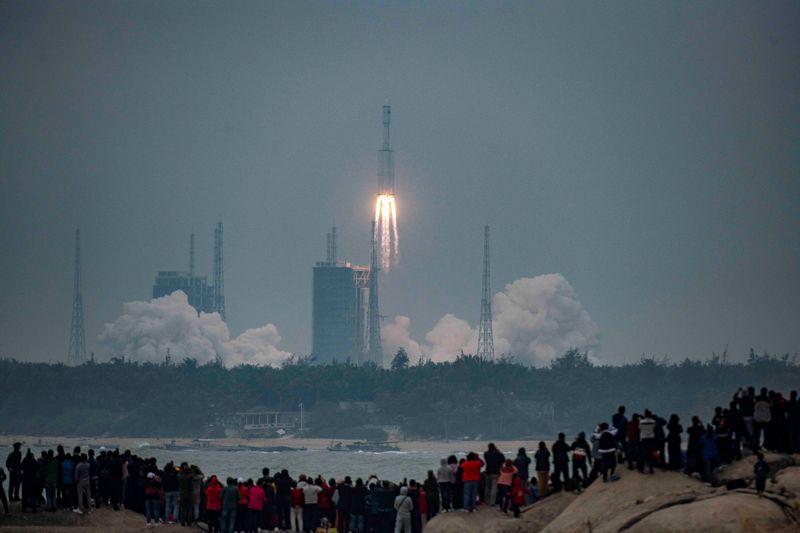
(744, 469)
(484, 520)
(728, 512)
(612, 506)
(787, 479)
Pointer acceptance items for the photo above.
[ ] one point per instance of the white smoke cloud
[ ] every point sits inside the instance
(534, 319)
(145, 331)
(397, 335)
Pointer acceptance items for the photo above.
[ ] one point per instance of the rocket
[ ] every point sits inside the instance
(386, 158)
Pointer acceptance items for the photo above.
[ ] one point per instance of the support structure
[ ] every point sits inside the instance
(485, 335)
(77, 339)
(375, 353)
(219, 283)
(191, 255)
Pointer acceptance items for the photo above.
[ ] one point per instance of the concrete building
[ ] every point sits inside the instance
(340, 314)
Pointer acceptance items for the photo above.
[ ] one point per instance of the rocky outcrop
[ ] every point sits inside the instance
(661, 502)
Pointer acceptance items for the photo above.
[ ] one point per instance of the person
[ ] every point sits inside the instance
(632, 438)
(694, 448)
(674, 429)
(50, 481)
(296, 513)
(761, 471)
(445, 478)
(793, 422)
(30, 482)
(403, 506)
(647, 441)
(310, 496)
(283, 489)
(422, 511)
(581, 454)
(343, 497)
(3, 498)
(471, 476)
(384, 505)
(518, 494)
(542, 458)
(169, 482)
(620, 422)
(14, 466)
(358, 507)
(762, 416)
(186, 494)
(504, 481)
(560, 475)
(230, 502)
(152, 498)
(745, 399)
(241, 506)
(413, 494)
(213, 504)
(68, 483)
(458, 482)
(431, 488)
(708, 443)
(255, 505)
(197, 489)
(607, 445)
(494, 460)
(83, 481)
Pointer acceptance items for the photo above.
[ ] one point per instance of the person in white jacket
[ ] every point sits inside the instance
(403, 505)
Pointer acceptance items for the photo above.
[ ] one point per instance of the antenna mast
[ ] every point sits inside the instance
(485, 336)
(77, 339)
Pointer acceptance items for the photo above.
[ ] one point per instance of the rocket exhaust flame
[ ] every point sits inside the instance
(386, 230)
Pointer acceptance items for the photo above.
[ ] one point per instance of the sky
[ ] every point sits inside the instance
(647, 152)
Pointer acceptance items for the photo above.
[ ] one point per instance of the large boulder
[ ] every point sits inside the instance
(727, 512)
(614, 506)
(744, 469)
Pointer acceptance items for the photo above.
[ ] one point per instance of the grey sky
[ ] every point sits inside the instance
(648, 151)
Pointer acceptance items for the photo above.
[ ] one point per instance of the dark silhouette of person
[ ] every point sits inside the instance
(14, 466)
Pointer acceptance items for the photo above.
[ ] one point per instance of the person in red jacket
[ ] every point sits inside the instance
(518, 493)
(296, 513)
(241, 509)
(422, 506)
(471, 477)
(213, 504)
(255, 505)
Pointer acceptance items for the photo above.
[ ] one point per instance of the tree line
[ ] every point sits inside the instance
(465, 398)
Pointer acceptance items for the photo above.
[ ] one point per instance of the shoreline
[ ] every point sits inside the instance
(228, 444)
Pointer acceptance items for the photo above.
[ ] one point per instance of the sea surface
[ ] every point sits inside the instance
(394, 466)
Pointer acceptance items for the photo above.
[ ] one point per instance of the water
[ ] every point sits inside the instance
(248, 464)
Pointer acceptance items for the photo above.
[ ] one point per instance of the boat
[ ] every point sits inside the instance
(365, 446)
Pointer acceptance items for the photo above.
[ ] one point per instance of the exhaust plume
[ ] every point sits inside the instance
(535, 321)
(145, 331)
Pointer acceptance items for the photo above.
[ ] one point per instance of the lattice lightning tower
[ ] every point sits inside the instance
(219, 283)
(77, 339)
(485, 336)
(374, 328)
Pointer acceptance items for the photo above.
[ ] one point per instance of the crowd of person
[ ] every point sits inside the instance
(84, 480)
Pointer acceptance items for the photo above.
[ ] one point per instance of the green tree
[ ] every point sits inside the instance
(400, 359)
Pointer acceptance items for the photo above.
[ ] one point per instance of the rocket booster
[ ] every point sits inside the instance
(386, 158)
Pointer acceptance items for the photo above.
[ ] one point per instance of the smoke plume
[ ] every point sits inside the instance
(535, 320)
(146, 330)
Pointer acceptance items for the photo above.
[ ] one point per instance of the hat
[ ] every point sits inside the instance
(151, 475)
(102, 448)
(240, 480)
